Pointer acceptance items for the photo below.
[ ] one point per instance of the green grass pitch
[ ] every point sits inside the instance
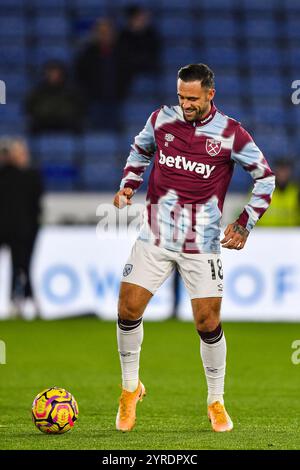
(262, 386)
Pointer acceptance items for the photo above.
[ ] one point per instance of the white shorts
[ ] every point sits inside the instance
(149, 266)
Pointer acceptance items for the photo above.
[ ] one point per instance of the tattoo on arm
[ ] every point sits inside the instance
(241, 230)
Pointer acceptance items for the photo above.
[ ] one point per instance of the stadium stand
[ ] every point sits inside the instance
(255, 54)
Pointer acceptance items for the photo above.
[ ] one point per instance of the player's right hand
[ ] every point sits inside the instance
(122, 198)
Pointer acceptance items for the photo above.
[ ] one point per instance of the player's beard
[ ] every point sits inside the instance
(197, 113)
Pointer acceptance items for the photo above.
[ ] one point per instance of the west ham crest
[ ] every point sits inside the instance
(213, 147)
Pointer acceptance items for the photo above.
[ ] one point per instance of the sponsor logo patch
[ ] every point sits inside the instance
(185, 164)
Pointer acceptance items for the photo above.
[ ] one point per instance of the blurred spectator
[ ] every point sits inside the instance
(54, 106)
(97, 72)
(285, 207)
(20, 197)
(139, 46)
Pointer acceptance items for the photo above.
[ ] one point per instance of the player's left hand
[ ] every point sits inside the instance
(235, 236)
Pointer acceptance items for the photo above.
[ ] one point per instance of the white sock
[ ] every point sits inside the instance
(214, 363)
(130, 337)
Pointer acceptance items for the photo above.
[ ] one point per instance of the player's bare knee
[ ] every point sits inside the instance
(207, 323)
(128, 310)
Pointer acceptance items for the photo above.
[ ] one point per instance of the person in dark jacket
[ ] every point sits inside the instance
(97, 66)
(139, 46)
(20, 211)
(54, 105)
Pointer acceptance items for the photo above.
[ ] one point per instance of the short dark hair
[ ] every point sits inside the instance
(201, 72)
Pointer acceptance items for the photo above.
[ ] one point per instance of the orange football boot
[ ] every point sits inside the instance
(127, 408)
(219, 418)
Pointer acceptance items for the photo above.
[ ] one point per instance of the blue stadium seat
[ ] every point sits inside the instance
(219, 27)
(218, 5)
(266, 85)
(13, 57)
(269, 115)
(11, 118)
(177, 56)
(176, 27)
(291, 6)
(101, 175)
(52, 26)
(241, 180)
(56, 148)
(59, 176)
(264, 57)
(16, 5)
(229, 84)
(267, 6)
(100, 145)
(275, 144)
(223, 56)
(144, 86)
(262, 28)
(137, 113)
(42, 54)
(234, 111)
(12, 27)
(17, 85)
(291, 28)
(177, 5)
(90, 3)
(52, 6)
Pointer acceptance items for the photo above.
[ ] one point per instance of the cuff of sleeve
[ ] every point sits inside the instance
(243, 220)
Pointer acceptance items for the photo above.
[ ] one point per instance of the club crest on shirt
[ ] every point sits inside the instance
(127, 269)
(213, 147)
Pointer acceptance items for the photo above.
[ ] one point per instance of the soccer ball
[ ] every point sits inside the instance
(54, 411)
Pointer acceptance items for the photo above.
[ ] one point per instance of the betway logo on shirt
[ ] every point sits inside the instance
(185, 164)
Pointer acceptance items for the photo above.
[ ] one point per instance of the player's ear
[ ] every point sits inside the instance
(211, 93)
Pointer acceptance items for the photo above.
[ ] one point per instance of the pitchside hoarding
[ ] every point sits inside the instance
(77, 272)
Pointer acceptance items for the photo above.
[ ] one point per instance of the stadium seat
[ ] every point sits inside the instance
(227, 84)
(100, 145)
(218, 5)
(11, 118)
(17, 85)
(52, 26)
(219, 27)
(262, 28)
(223, 56)
(103, 175)
(257, 5)
(269, 115)
(145, 86)
(291, 6)
(291, 28)
(11, 27)
(13, 57)
(51, 6)
(42, 54)
(176, 56)
(59, 176)
(241, 180)
(176, 27)
(15, 5)
(56, 147)
(137, 113)
(266, 85)
(264, 57)
(179, 6)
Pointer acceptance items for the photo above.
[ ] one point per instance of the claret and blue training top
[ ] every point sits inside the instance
(193, 166)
